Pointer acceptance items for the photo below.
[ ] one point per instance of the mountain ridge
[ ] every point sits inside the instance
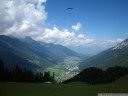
(14, 51)
(115, 56)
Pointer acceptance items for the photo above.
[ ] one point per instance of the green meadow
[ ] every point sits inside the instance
(72, 89)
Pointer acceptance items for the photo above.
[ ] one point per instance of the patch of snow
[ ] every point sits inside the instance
(120, 45)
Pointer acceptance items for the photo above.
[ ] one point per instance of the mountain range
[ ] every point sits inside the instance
(32, 54)
(115, 56)
(66, 63)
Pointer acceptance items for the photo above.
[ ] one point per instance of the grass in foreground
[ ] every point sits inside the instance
(73, 89)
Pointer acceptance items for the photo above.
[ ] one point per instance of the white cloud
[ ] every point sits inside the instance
(109, 43)
(22, 17)
(95, 47)
(104, 44)
(63, 37)
(76, 27)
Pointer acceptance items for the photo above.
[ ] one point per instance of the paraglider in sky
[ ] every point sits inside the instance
(70, 9)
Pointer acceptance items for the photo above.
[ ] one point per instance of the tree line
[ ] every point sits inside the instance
(94, 75)
(19, 74)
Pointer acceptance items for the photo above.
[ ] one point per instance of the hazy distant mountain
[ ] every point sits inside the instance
(32, 54)
(115, 56)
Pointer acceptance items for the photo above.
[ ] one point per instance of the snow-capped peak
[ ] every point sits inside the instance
(121, 45)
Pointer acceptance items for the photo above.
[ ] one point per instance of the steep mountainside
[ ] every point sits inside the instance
(115, 56)
(32, 54)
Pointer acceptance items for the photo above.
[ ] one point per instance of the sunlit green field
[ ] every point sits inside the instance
(73, 89)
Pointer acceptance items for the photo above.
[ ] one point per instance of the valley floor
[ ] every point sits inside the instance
(74, 89)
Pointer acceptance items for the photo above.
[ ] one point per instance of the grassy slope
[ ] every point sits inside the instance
(74, 89)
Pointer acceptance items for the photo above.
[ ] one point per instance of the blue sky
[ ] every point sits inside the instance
(92, 25)
(100, 19)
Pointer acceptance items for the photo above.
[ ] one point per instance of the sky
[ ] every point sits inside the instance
(100, 19)
(89, 27)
